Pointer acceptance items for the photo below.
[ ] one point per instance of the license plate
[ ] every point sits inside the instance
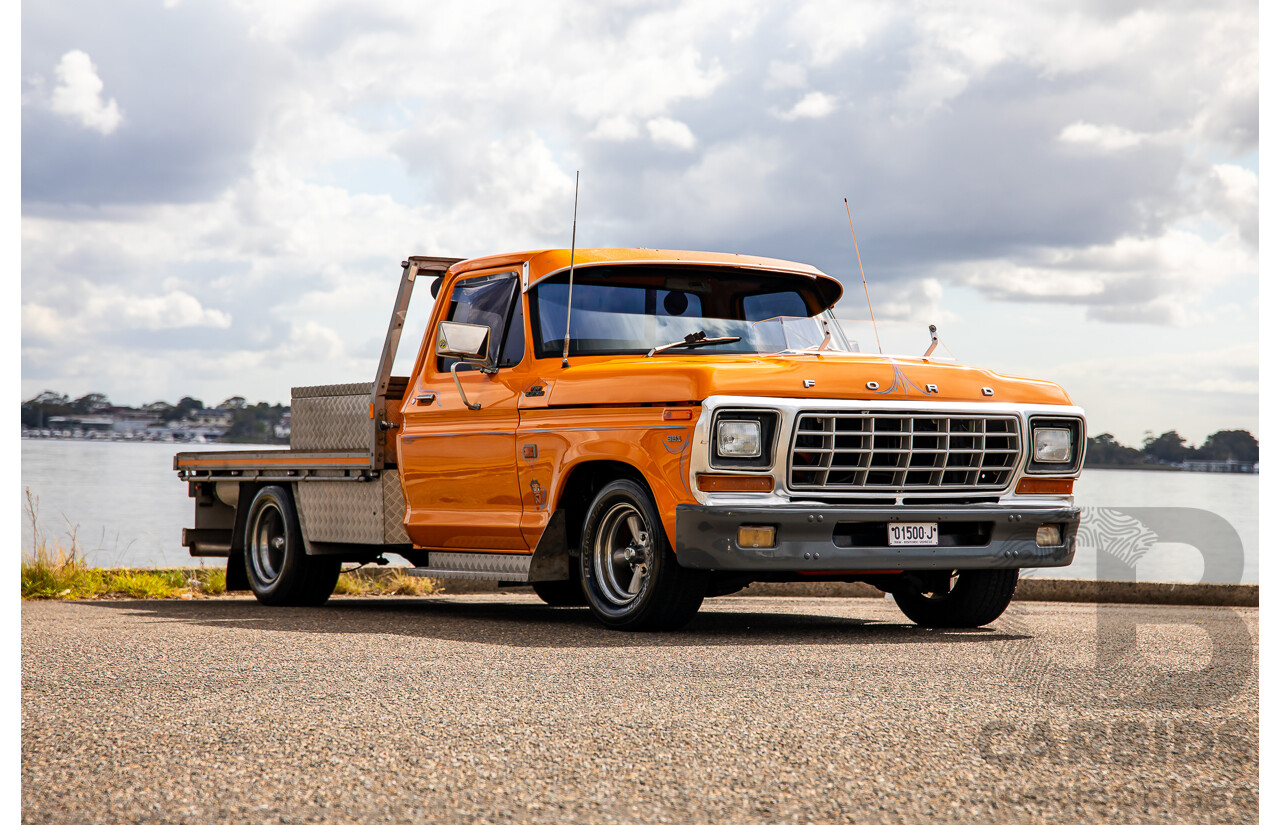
(917, 534)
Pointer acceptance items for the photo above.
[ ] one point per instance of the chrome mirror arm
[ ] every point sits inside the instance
(453, 370)
(933, 335)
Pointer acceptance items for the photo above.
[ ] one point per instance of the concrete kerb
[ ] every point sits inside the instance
(1053, 590)
(1030, 589)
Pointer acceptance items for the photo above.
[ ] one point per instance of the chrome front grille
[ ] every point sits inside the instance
(903, 452)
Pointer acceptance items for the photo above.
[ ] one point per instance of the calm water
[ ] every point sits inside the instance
(128, 507)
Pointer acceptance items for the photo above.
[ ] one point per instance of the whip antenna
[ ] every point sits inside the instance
(573, 246)
(855, 251)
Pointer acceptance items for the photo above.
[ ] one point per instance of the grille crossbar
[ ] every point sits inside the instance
(903, 452)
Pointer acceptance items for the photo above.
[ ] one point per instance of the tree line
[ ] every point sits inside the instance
(249, 422)
(1171, 448)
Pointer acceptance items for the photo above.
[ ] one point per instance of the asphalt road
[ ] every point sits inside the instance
(497, 709)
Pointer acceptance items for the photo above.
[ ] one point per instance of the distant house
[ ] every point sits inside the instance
(216, 417)
(284, 427)
(1228, 465)
(131, 421)
(86, 423)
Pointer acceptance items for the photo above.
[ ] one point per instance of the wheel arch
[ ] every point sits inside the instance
(581, 483)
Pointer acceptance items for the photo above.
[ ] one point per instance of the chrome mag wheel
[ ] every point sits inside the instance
(268, 536)
(622, 554)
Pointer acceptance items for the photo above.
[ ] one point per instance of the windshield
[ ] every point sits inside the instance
(626, 310)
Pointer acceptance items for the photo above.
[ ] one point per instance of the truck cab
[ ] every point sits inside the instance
(637, 430)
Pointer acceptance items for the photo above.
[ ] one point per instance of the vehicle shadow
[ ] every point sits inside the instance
(522, 624)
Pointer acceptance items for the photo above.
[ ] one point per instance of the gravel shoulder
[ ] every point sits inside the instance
(495, 708)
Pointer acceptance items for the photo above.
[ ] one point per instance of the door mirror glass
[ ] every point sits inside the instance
(469, 342)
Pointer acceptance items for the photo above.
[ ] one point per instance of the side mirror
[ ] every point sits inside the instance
(469, 342)
(466, 342)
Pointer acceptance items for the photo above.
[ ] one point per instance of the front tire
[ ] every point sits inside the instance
(280, 571)
(561, 594)
(630, 576)
(964, 598)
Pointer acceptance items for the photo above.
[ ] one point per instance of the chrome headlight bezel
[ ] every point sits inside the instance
(766, 420)
(1074, 428)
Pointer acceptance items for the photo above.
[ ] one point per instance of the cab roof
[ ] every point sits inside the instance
(544, 263)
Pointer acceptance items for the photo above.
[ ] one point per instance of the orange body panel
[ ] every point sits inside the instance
(490, 479)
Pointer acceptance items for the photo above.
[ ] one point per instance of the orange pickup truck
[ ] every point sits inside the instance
(636, 430)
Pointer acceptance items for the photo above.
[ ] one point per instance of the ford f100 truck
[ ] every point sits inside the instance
(636, 430)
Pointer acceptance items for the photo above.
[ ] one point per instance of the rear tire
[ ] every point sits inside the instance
(965, 598)
(280, 571)
(630, 576)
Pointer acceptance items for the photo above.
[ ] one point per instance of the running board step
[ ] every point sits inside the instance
(507, 567)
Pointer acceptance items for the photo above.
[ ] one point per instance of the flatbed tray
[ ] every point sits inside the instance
(286, 464)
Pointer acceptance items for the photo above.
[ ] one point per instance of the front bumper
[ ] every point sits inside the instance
(852, 539)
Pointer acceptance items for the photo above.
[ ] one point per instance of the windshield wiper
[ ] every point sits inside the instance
(693, 339)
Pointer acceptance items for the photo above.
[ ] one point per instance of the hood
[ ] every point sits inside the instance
(682, 379)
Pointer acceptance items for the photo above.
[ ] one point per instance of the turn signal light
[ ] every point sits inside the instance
(713, 483)
(753, 536)
(1051, 486)
(677, 415)
(1049, 535)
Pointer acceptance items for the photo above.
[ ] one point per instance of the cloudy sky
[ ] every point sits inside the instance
(216, 196)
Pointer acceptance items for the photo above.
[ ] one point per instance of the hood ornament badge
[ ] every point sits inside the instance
(808, 383)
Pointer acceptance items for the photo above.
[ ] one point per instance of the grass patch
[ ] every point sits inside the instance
(384, 582)
(56, 569)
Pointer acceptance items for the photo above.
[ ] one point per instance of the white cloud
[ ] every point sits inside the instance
(1105, 138)
(78, 94)
(175, 310)
(1160, 279)
(918, 302)
(109, 308)
(786, 75)
(664, 130)
(41, 323)
(829, 29)
(813, 105)
(616, 127)
(1233, 198)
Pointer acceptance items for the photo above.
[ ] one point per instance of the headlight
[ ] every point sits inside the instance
(743, 438)
(1052, 445)
(1056, 445)
(738, 439)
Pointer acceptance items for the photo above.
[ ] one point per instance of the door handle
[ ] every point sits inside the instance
(425, 398)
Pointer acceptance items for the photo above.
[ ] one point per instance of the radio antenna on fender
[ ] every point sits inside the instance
(865, 291)
(573, 247)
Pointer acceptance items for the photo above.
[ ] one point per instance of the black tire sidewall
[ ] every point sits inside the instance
(637, 612)
(281, 590)
(566, 593)
(978, 598)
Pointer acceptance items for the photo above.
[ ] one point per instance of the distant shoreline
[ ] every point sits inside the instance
(1149, 467)
(175, 443)
(1165, 468)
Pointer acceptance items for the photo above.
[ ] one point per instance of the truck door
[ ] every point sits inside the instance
(459, 464)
